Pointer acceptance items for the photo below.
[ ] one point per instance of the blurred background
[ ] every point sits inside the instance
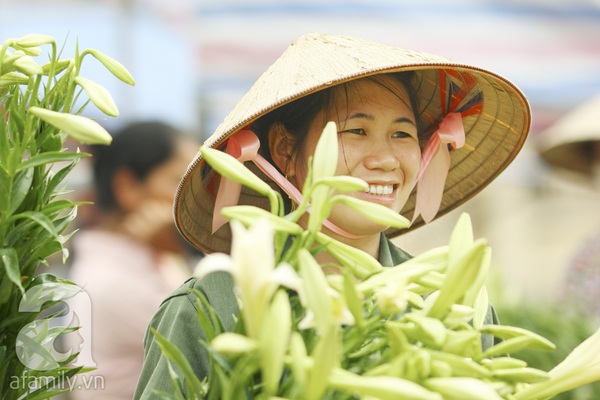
(193, 59)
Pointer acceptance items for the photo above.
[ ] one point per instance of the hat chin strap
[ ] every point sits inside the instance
(435, 164)
(244, 146)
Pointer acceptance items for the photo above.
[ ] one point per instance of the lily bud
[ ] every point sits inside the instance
(316, 290)
(99, 96)
(361, 263)
(274, 340)
(249, 215)
(325, 158)
(460, 278)
(462, 388)
(115, 67)
(28, 66)
(13, 78)
(232, 344)
(343, 183)
(323, 166)
(375, 212)
(381, 387)
(231, 168)
(33, 40)
(80, 128)
(59, 66)
(392, 298)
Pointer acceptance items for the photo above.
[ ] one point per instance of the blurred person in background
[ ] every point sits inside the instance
(571, 146)
(130, 256)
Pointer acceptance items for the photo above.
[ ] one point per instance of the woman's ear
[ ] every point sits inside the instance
(281, 145)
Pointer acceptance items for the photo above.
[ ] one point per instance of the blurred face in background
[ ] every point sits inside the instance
(148, 202)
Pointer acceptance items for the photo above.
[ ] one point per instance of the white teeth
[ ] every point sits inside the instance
(380, 189)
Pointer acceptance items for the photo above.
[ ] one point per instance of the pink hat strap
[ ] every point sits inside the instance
(435, 164)
(457, 100)
(244, 145)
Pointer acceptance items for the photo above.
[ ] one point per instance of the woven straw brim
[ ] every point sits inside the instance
(494, 136)
(568, 143)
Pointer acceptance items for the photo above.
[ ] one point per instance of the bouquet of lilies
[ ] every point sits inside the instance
(37, 114)
(413, 331)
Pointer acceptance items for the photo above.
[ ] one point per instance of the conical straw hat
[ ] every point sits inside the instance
(314, 62)
(567, 143)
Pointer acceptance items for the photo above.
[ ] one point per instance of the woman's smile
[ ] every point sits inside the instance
(378, 143)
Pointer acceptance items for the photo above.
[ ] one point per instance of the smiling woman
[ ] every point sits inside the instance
(378, 143)
(332, 106)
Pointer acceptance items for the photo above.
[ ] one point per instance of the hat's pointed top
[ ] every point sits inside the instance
(313, 62)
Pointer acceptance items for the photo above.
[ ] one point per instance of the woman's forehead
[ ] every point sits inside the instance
(358, 91)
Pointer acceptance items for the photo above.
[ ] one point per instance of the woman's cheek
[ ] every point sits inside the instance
(411, 163)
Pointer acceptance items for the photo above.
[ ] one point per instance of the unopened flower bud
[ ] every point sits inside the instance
(80, 128)
(115, 67)
(99, 96)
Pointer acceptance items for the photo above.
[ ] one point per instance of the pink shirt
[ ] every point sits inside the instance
(125, 282)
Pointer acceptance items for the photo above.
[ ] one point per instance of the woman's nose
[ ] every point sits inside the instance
(380, 155)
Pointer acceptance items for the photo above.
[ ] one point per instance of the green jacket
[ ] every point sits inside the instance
(176, 319)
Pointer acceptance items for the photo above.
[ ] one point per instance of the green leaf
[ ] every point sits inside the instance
(6, 286)
(47, 393)
(194, 386)
(57, 178)
(10, 261)
(5, 193)
(207, 317)
(20, 188)
(50, 158)
(39, 218)
(58, 207)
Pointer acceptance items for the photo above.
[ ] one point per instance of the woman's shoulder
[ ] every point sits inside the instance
(216, 288)
(390, 254)
(209, 286)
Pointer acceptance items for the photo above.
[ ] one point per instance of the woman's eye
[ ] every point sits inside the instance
(401, 134)
(356, 131)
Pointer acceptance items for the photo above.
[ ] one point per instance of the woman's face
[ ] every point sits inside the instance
(378, 143)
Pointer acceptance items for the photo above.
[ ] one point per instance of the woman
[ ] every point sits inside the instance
(396, 110)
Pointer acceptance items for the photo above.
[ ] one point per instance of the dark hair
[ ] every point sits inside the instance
(297, 116)
(139, 147)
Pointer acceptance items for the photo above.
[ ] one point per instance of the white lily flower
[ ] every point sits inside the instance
(340, 312)
(580, 367)
(252, 265)
(392, 298)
